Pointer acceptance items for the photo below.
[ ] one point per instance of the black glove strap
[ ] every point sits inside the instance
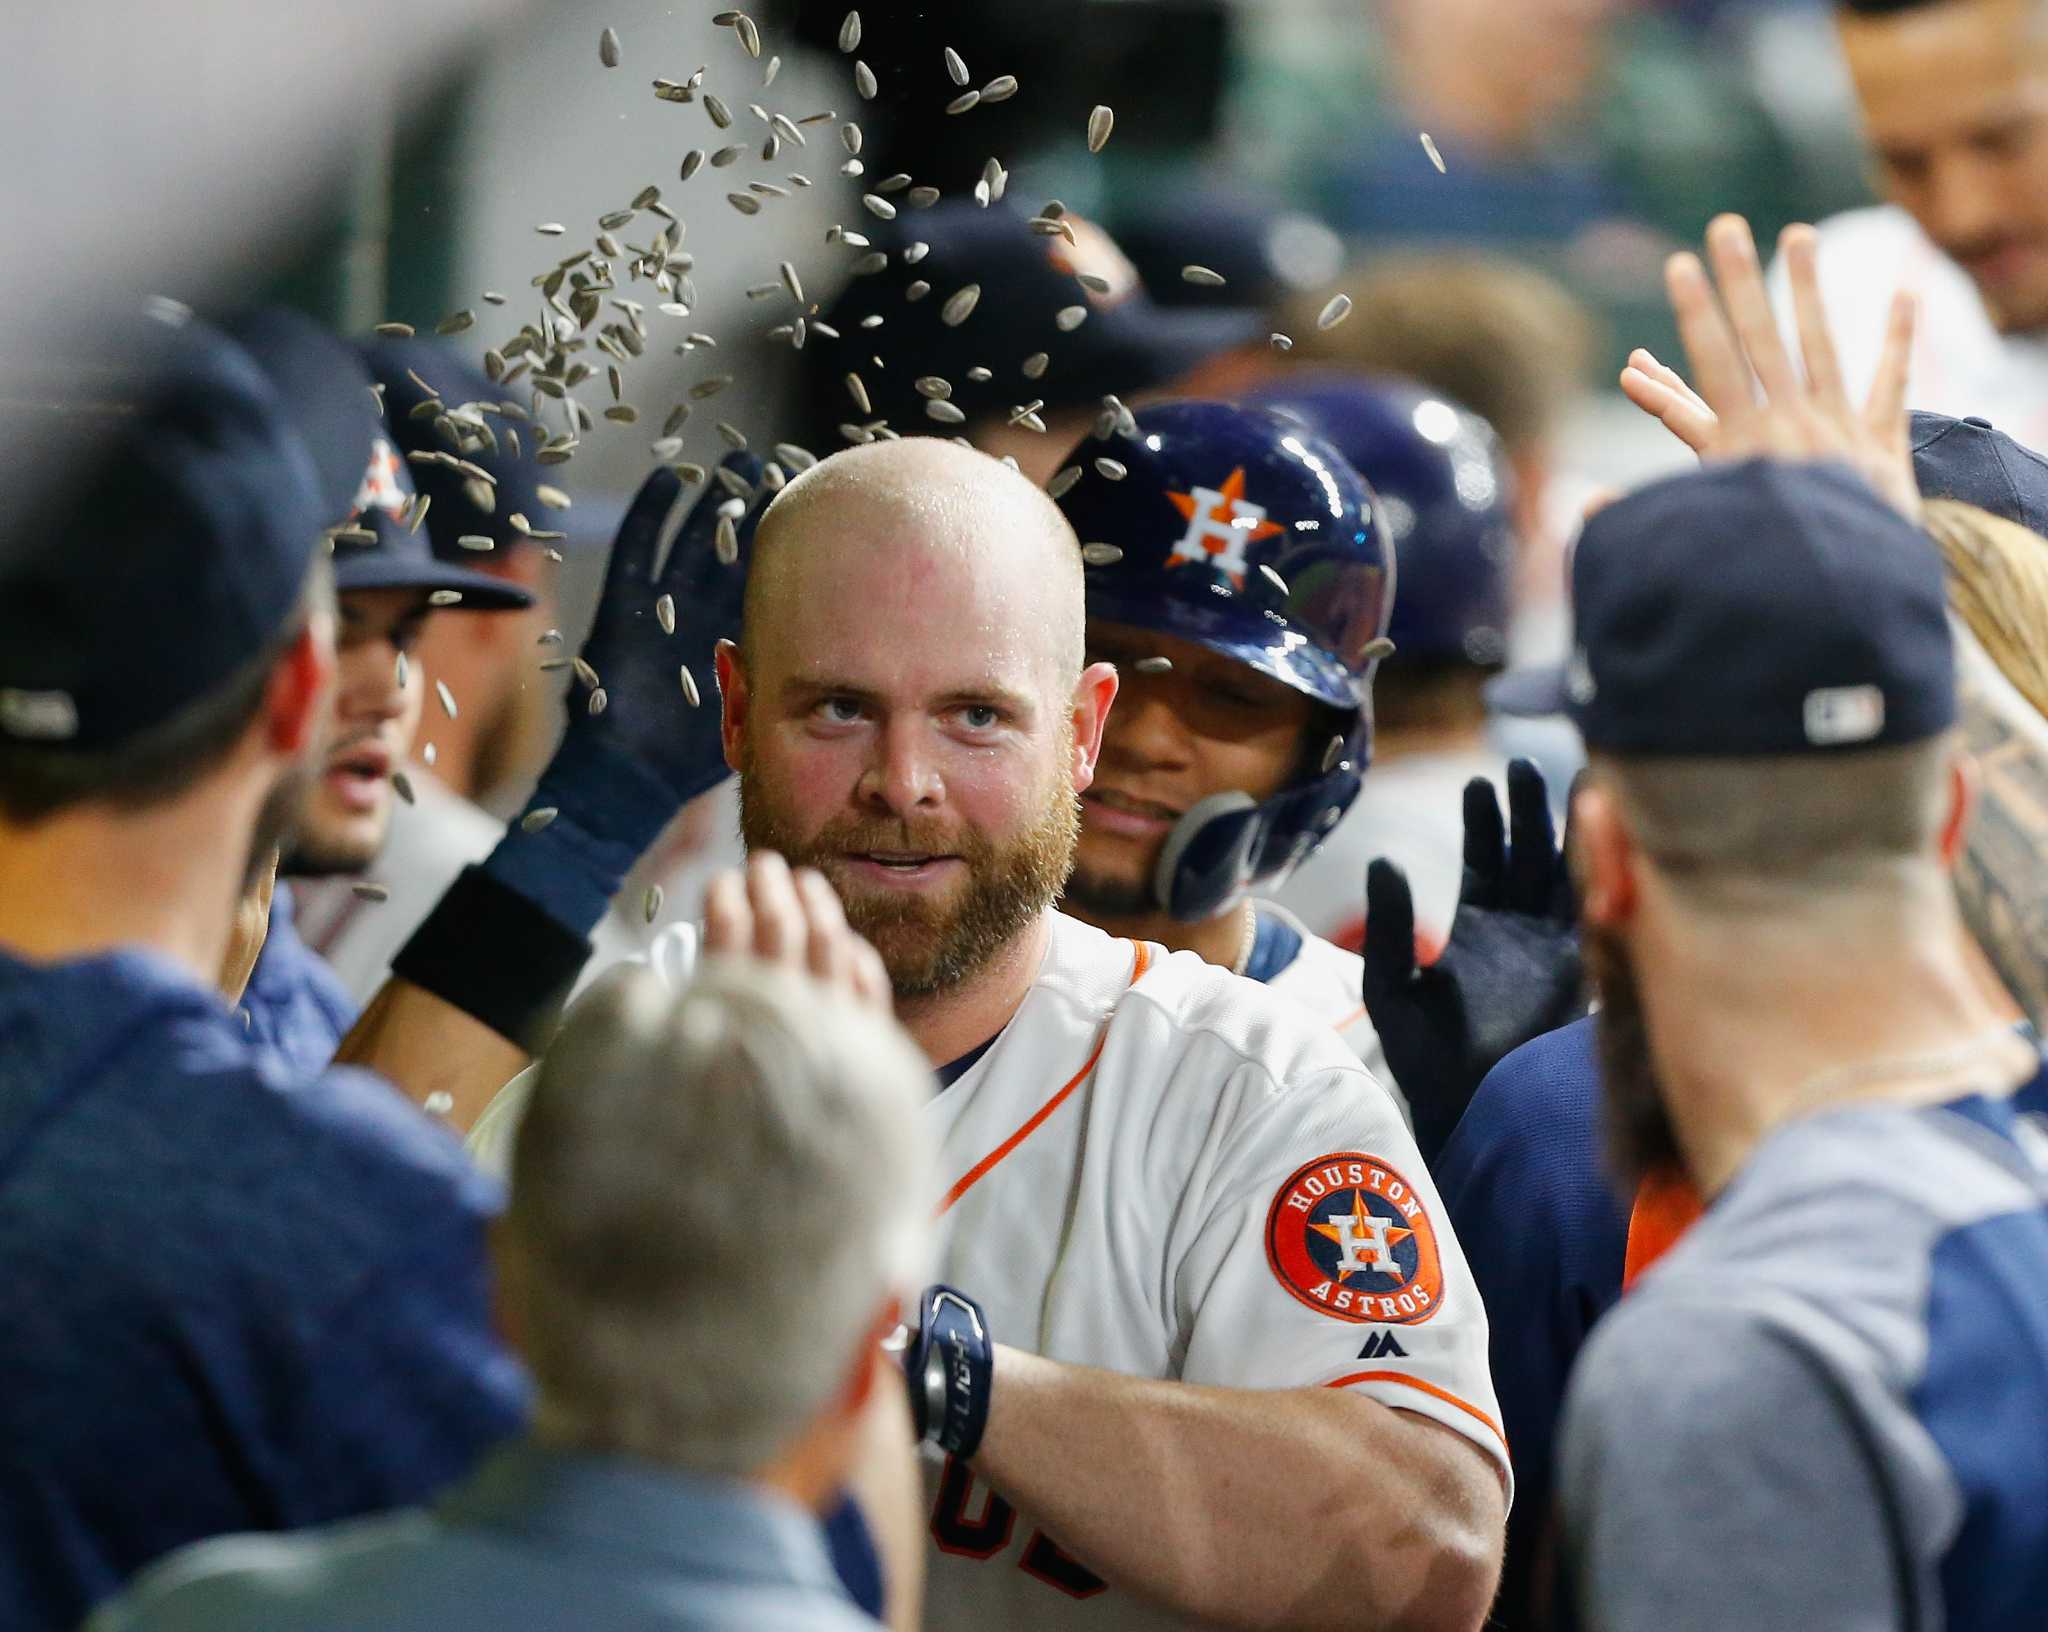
(496, 956)
(949, 1364)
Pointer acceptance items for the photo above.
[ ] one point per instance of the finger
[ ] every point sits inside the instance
(639, 534)
(831, 942)
(780, 935)
(871, 976)
(1485, 846)
(1740, 274)
(1885, 408)
(1692, 425)
(688, 545)
(1645, 361)
(728, 919)
(1564, 901)
(1719, 374)
(1800, 247)
(1532, 852)
(1389, 930)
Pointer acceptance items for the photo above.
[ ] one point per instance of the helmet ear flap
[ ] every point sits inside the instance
(1209, 856)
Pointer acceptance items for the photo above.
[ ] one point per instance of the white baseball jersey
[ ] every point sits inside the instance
(1158, 1169)
(1326, 983)
(1961, 364)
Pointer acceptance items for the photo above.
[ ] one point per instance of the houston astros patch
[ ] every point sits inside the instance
(1348, 1236)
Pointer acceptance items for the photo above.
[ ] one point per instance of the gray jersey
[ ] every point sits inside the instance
(1828, 1406)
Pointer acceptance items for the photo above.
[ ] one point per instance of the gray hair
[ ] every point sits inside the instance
(712, 1197)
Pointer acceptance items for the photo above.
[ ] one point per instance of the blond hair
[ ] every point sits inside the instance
(1998, 586)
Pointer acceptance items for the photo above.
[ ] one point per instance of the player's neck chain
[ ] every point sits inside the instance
(1248, 937)
(1834, 1081)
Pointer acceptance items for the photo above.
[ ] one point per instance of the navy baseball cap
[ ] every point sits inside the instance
(176, 550)
(1748, 609)
(416, 374)
(1126, 342)
(1966, 459)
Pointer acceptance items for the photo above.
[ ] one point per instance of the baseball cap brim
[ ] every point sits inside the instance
(373, 569)
(1534, 693)
(1141, 346)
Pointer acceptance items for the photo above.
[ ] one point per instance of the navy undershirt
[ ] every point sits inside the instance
(1275, 945)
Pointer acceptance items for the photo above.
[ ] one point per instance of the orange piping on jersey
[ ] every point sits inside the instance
(1350, 1019)
(1443, 1394)
(1666, 1207)
(981, 1169)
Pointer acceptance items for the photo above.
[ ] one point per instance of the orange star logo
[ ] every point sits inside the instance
(1220, 525)
(1359, 1227)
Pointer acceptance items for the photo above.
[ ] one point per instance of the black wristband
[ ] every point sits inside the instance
(950, 1367)
(497, 957)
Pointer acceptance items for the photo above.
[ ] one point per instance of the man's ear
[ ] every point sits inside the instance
(1604, 859)
(1964, 784)
(300, 696)
(733, 698)
(1093, 695)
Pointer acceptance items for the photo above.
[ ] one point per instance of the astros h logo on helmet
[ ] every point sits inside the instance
(1350, 1238)
(1220, 524)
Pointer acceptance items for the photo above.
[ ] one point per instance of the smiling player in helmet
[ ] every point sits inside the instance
(1240, 579)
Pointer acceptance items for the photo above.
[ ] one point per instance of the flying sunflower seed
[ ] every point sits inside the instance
(1024, 413)
(1000, 89)
(726, 541)
(551, 229)
(477, 541)
(1435, 157)
(768, 189)
(750, 36)
(1153, 665)
(850, 136)
(1333, 755)
(853, 167)
(960, 306)
(945, 413)
(982, 195)
(1113, 470)
(586, 674)
(1273, 578)
(650, 905)
(721, 116)
(980, 375)
(1373, 649)
(709, 387)
(931, 385)
(622, 413)
(1101, 555)
(665, 614)
(419, 512)
(549, 637)
(493, 298)
(864, 81)
(792, 282)
(402, 671)
(456, 322)
(394, 331)
(725, 156)
(1063, 484)
(761, 291)
(797, 458)
(966, 102)
(1070, 318)
(853, 240)
(1100, 123)
(956, 69)
(876, 205)
(688, 474)
(689, 684)
(613, 220)
(608, 48)
(1203, 277)
(366, 891)
(921, 198)
(1051, 226)
(1334, 313)
(616, 380)
(916, 252)
(735, 438)
(693, 161)
(1092, 282)
(771, 149)
(447, 698)
(917, 290)
(534, 820)
(667, 90)
(1035, 365)
(895, 184)
(745, 203)
(857, 389)
(735, 484)
(725, 19)
(401, 784)
(1283, 342)
(849, 32)
(869, 264)
(872, 321)
(600, 700)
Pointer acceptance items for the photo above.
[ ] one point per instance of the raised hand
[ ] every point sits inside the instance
(792, 920)
(1509, 972)
(1747, 398)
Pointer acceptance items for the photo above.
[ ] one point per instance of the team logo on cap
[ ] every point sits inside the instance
(382, 489)
(1220, 525)
(1348, 1236)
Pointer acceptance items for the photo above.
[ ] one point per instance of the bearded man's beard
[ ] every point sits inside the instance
(928, 945)
(1636, 1125)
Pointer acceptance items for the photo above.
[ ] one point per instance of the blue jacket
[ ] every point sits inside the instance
(296, 1005)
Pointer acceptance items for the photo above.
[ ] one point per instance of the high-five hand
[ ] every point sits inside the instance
(1747, 397)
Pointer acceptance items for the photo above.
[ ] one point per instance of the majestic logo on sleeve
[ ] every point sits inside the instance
(1348, 1236)
(1220, 524)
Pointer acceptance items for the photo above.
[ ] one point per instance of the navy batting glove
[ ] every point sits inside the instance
(642, 739)
(1510, 970)
(949, 1364)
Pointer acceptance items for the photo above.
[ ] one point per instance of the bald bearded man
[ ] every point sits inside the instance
(1193, 1210)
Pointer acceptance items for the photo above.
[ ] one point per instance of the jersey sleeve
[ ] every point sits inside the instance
(1712, 1479)
(672, 958)
(1318, 1254)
